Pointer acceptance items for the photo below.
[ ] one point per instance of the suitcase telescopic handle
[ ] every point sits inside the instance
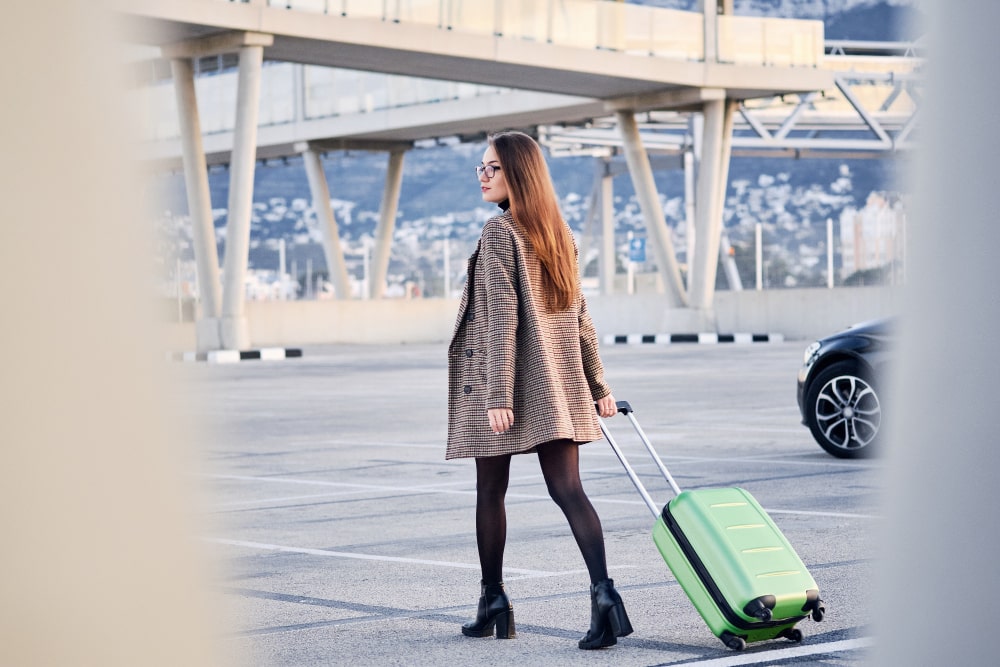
(626, 409)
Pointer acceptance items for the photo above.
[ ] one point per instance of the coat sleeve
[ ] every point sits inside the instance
(497, 255)
(592, 366)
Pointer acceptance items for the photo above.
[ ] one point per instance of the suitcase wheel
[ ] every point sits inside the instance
(818, 611)
(791, 634)
(733, 641)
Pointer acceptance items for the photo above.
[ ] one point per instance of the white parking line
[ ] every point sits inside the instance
(285, 499)
(762, 657)
(432, 489)
(680, 459)
(835, 515)
(387, 559)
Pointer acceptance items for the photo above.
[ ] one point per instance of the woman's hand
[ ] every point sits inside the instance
(606, 407)
(501, 419)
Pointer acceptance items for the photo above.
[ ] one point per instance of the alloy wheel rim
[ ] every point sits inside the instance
(848, 412)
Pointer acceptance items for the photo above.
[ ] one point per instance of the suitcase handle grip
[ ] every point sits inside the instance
(626, 409)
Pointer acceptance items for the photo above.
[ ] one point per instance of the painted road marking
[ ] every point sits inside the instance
(432, 489)
(388, 559)
(764, 657)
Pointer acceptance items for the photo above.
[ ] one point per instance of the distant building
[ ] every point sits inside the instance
(873, 237)
(263, 285)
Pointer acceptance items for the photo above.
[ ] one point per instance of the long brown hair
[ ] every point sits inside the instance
(535, 207)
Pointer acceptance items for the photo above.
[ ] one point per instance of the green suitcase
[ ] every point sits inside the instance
(732, 561)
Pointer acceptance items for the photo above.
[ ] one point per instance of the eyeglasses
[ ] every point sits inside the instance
(489, 169)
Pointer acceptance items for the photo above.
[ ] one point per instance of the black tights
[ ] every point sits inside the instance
(560, 463)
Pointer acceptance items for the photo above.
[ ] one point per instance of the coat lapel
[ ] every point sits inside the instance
(463, 305)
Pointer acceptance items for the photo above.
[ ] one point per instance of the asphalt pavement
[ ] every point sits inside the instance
(341, 535)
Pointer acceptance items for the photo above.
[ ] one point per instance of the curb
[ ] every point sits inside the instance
(236, 356)
(703, 338)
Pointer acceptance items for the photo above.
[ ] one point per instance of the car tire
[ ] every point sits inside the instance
(844, 412)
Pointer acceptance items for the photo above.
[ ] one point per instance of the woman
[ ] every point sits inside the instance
(524, 375)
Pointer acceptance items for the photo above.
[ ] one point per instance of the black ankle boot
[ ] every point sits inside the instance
(495, 610)
(608, 619)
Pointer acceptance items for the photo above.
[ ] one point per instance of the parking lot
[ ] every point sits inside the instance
(343, 536)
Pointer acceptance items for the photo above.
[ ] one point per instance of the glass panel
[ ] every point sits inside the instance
(375, 91)
(747, 40)
(478, 16)
(315, 6)
(637, 29)
(331, 92)
(741, 40)
(809, 46)
(610, 17)
(217, 102)
(277, 94)
(524, 19)
(427, 12)
(777, 42)
(403, 91)
(317, 87)
(362, 8)
(574, 23)
(678, 34)
(156, 105)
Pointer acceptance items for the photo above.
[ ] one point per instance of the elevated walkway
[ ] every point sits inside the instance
(588, 48)
(581, 59)
(870, 111)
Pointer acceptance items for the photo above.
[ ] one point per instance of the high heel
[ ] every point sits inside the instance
(608, 619)
(495, 611)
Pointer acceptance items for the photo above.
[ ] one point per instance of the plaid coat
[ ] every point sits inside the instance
(508, 352)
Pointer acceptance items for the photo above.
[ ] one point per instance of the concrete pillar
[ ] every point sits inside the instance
(652, 212)
(711, 11)
(607, 257)
(199, 206)
(689, 181)
(320, 191)
(233, 326)
(386, 223)
(712, 177)
(593, 202)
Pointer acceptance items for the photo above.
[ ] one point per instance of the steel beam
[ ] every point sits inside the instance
(844, 86)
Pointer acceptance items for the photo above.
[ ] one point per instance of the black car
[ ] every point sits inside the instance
(840, 388)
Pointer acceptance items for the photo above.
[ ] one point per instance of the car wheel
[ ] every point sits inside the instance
(844, 412)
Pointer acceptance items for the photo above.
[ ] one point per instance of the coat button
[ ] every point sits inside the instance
(468, 353)
(468, 389)
(471, 316)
